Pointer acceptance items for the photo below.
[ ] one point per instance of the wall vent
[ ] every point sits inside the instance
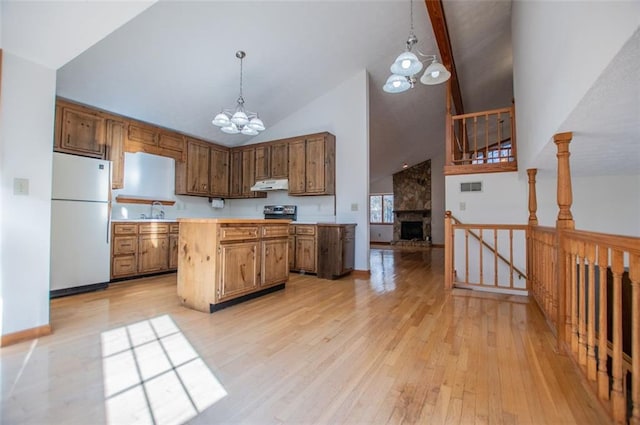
(471, 187)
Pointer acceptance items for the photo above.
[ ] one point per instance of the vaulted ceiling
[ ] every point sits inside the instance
(174, 65)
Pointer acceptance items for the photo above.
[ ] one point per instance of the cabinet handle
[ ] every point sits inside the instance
(68, 138)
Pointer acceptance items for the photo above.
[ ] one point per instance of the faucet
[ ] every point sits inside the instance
(160, 214)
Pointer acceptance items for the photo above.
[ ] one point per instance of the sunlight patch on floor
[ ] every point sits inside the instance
(152, 375)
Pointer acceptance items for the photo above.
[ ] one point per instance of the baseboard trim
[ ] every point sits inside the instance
(437, 245)
(361, 274)
(25, 335)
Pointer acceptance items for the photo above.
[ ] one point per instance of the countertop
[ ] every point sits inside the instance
(232, 221)
(144, 220)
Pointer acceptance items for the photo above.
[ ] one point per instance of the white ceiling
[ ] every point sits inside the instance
(174, 65)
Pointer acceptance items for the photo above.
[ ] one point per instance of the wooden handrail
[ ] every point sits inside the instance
(469, 227)
(482, 114)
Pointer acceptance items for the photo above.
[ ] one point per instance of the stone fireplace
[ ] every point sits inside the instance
(412, 205)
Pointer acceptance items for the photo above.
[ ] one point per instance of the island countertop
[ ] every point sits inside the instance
(233, 220)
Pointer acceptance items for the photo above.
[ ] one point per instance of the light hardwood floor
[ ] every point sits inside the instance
(395, 348)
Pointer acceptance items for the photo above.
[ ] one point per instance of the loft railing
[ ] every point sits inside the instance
(588, 287)
(480, 142)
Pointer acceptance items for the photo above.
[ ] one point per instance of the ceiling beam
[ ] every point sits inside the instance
(441, 32)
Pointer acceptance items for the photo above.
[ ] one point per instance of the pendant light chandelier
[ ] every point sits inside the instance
(238, 120)
(407, 65)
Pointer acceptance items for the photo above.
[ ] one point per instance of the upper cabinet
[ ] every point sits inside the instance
(279, 160)
(115, 151)
(143, 137)
(82, 132)
(242, 173)
(263, 158)
(218, 171)
(312, 165)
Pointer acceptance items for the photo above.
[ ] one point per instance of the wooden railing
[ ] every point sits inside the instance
(482, 265)
(586, 284)
(481, 142)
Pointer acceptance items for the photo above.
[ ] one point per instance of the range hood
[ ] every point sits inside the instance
(265, 185)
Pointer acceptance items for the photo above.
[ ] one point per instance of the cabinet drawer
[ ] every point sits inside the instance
(174, 228)
(147, 228)
(237, 233)
(125, 229)
(124, 245)
(304, 229)
(273, 231)
(124, 266)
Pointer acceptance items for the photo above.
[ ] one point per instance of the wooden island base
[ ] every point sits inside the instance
(225, 261)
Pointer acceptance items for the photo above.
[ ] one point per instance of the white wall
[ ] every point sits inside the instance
(26, 137)
(154, 176)
(560, 48)
(606, 204)
(344, 112)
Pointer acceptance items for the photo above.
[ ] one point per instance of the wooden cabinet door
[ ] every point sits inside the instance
(219, 172)
(263, 158)
(173, 251)
(279, 161)
(314, 165)
(171, 145)
(292, 252)
(235, 174)
(197, 169)
(153, 253)
(142, 134)
(297, 155)
(82, 133)
(275, 262)
(248, 171)
(306, 253)
(115, 153)
(239, 269)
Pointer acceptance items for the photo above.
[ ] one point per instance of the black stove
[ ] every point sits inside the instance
(288, 212)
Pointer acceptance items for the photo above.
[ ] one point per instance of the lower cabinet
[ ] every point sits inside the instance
(220, 261)
(240, 269)
(303, 248)
(275, 264)
(138, 248)
(336, 250)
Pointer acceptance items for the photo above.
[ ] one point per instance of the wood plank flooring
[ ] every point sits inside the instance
(394, 348)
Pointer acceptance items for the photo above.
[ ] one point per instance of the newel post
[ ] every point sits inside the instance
(533, 221)
(533, 200)
(448, 251)
(564, 221)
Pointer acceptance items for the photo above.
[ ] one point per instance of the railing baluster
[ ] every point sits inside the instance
(499, 133)
(582, 298)
(495, 256)
(573, 284)
(617, 394)
(510, 258)
(481, 261)
(486, 138)
(634, 276)
(475, 138)
(464, 137)
(466, 255)
(590, 253)
(603, 374)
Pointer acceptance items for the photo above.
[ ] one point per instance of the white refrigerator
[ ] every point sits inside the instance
(80, 224)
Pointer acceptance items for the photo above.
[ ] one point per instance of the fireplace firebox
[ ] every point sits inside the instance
(411, 230)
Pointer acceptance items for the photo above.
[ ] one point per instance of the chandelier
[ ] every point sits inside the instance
(239, 120)
(407, 65)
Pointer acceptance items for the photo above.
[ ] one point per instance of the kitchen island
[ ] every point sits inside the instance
(225, 261)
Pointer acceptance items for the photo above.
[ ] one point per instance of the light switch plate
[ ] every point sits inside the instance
(354, 207)
(20, 186)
